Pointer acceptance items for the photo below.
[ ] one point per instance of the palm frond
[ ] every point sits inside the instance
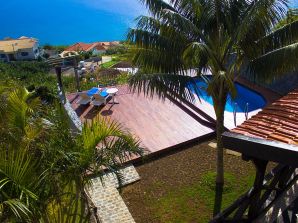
(18, 208)
(180, 24)
(71, 209)
(19, 183)
(257, 21)
(176, 85)
(190, 9)
(157, 53)
(283, 36)
(197, 55)
(156, 6)
(108, 143)
(275, 63)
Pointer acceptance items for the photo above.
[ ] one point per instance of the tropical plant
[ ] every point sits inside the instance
(225, 37)
(292, 15)
(29, 74)
(118, 49)
(44, 167)
(57, 48)
(19, 181)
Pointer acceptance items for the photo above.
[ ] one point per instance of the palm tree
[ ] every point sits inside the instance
(225, 37)
(44, 168)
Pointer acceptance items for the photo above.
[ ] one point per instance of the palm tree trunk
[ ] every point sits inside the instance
(219, 157)
(219, 132)
(219, 108)
(90, 205)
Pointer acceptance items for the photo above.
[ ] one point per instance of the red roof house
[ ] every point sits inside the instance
(96, 46)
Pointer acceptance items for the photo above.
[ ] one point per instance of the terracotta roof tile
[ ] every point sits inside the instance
(79, 47)
(90, 46)
(278, 121)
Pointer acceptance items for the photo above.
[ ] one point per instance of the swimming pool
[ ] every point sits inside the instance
(246, 99)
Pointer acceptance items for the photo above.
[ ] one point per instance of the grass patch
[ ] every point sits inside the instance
(115, 60)
(110, 63)
(195, 203)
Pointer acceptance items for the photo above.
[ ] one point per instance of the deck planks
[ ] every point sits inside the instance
(159, 124)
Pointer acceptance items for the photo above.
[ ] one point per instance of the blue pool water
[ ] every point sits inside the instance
(244, 95)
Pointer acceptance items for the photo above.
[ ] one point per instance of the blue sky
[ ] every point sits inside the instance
(69, 21)
(294, 3)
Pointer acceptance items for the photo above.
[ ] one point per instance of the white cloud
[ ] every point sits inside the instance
(123, 7)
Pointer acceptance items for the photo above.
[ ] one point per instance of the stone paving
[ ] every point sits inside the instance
(104, 194)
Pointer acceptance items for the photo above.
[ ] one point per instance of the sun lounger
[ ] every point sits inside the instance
(84, 98)
(98, 100)
(92, 91)
(95, 90)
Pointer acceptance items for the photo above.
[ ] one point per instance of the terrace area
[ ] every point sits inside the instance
(159, 124)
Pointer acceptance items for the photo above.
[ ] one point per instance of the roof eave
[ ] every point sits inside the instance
(261, 148)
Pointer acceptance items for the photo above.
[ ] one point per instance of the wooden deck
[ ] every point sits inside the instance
(159, 124)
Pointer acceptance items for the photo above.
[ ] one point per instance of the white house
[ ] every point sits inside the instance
(23, 48)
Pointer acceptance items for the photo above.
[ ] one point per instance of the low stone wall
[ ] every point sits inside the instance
(75, 120)
(76, 123)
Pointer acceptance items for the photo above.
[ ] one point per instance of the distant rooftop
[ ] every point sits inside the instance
(90, 46)
(13, 45)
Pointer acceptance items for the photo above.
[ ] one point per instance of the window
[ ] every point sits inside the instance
(24, 54)
(2, 56)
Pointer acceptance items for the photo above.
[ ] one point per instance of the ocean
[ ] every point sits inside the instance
(64, 22)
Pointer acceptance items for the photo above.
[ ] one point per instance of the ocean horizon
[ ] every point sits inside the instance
(64, 22)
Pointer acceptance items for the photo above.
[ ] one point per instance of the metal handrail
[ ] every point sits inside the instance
(246, 111)
(235, 113)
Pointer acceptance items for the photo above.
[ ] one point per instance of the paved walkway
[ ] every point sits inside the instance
(104, 194)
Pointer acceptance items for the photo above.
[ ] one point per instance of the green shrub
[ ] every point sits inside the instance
(119, 49)
(45, 94)
(29, 74)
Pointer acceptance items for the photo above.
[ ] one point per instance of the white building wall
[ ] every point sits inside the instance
(20, 55)
(27, 54)
(98, 52)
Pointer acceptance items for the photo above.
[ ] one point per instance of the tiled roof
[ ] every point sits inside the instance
(91, 46)
(100, 47)
(79, 47)
(278, 121)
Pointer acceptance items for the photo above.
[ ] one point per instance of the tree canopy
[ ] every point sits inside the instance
(223, 38)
